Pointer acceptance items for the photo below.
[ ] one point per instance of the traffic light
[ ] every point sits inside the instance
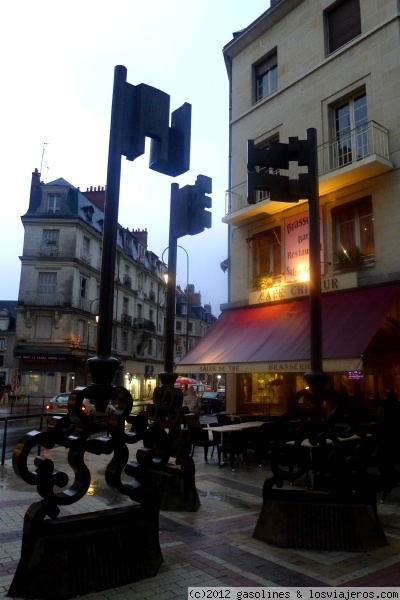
(277, 156)
(188, 207)
(198, 217)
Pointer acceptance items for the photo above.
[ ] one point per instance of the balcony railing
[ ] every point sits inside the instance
(127, 280)
(86, 257)
(43, 299)
(364, 153)
(361, 142)
(126, 320)
(144, 324)
(48, 250)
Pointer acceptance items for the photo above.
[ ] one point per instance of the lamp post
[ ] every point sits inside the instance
(88, 333)
(187, 291)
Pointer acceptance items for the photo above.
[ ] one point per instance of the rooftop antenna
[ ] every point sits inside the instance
(41, 163)
(47, 171)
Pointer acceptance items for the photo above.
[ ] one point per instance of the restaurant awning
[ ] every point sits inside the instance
(277, 337)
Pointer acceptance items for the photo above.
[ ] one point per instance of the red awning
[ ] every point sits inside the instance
(262, 336)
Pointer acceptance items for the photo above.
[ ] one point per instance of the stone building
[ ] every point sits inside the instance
(332, 66)
(56, 326)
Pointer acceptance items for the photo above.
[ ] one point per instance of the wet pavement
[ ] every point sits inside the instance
(213, 546)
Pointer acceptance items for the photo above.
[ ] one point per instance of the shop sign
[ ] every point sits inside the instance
(294, 290)
(297, 247)
(41, 358)
(271, 367)
(357, 375)
(148, 370)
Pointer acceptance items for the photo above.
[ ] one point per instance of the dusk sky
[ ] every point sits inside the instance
(58, 69)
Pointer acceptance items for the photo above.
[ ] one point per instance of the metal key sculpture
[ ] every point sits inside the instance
(48, 540)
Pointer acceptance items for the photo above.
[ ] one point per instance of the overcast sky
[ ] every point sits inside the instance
(58, 61)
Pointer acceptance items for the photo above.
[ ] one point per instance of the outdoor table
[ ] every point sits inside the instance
(233, 428)
(313, 449)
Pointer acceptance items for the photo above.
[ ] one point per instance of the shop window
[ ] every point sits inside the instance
(351, 130)
(353, 233)
(266, 76)
(266, 257)
(343, 23)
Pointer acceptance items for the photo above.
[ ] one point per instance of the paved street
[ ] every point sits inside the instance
(214, 546)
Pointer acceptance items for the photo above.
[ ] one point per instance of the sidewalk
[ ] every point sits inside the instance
(214, 546)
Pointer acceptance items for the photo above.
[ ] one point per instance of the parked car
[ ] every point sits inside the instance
(212, 402)
(59, 405)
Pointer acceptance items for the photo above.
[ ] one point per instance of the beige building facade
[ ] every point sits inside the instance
(58, 300)
(333, 66)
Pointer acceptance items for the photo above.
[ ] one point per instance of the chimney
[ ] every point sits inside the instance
(35, 196)
(141, 236)
(97, 196)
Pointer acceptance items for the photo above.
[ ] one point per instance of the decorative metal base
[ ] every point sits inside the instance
(77, 555)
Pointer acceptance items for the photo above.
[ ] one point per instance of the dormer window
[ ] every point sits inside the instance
(53, 203)
(88, 210)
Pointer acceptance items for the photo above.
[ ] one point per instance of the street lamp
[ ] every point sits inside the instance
(187, 291)
(88, 333)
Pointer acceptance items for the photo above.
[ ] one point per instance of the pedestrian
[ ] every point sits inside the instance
(192, 401)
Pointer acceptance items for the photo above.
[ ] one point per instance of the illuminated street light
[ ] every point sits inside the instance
(187, 292)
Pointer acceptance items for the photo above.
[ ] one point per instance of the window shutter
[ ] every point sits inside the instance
(344, 23)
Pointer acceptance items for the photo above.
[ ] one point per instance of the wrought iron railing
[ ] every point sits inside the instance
(363, 141)
(360, 143)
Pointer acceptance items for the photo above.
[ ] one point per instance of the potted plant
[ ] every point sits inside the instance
(263, 281)
(349, 257)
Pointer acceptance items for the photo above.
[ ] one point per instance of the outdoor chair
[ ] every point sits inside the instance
(198, 435)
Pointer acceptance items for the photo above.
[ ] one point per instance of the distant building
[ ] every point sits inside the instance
(56, 328)
(8, 376)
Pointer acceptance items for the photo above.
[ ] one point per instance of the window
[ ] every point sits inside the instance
(43, 328)
(351, 122)
(266, 74)
(265, 253)
(150, 347)
(2, 344)
(353, 232)
(47, 283)
(343, 23)
(83, 288)
(124, 341)
(51, 237)
(178, 326)
(86, 244)
(53, 203)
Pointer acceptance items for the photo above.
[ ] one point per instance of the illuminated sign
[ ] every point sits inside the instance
(355, 374)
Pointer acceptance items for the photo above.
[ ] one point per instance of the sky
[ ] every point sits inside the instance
(58, 62)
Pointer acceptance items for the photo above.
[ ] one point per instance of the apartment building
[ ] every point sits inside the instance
(56, 325)
(333, 66)
(8, 376)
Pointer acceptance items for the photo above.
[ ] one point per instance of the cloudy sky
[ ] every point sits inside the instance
(58, 63)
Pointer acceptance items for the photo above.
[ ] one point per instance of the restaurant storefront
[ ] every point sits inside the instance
(263, 350)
